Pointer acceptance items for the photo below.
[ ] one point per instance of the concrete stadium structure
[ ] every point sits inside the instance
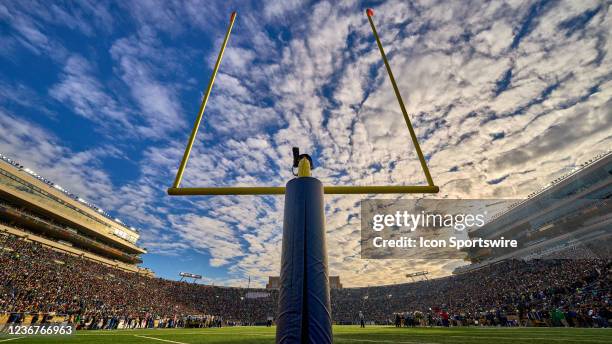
(36, 209)
(574, 212)
(274, 282)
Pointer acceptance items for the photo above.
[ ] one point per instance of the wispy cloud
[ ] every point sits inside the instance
(157, 101)
(81, 90)
(493, 89)
(44, 153)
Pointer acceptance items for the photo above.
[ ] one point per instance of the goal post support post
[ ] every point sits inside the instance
(304, 308)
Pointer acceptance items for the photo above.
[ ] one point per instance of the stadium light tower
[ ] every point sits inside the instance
(304, 310)
(185, 275)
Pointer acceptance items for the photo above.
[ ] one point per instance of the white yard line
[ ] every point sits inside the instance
(218, 333)
(203, 332)
(381, 341)
(475, 337)
(6, 340)
(161, 340)
(547, 336)
(551, 338)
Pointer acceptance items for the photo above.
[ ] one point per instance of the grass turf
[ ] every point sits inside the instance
(342, 334)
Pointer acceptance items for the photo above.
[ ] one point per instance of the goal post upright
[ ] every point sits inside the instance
(196, 125)
(398, 95)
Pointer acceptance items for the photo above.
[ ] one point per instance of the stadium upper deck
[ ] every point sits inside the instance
(573, 210)
(32, 206)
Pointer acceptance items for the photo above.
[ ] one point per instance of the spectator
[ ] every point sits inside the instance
(35, 279)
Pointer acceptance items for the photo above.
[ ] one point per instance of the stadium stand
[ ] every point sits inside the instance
(40, 284)
(34, 207)
(66, 260)
(36, 279)
(574, 208)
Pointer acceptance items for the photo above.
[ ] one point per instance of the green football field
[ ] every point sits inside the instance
(342, 334)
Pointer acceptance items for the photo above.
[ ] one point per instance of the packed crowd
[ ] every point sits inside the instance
(37, 280)
(513, 292)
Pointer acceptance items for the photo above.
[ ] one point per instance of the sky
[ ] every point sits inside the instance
(100, 97)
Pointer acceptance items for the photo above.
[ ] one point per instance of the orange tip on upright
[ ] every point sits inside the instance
(233, 16)
(370, 12)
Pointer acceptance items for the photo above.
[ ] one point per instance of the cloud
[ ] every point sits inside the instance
(157, 101)
(275, 9)
(29, 34)
(493, 89)
(174, 17)
(450, 88)
(42, 152)
(211, 234)
(80, 89)
(33, 24)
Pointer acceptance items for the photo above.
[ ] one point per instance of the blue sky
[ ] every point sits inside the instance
(100, 98)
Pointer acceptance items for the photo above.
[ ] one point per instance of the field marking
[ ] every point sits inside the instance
(177, 334)
(6, 340)
(543, 335)
(545, 338)
(382, 341)
(236, 334)
(162, 340)
(482, 333)
(498, 337)
(474, 337)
